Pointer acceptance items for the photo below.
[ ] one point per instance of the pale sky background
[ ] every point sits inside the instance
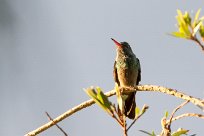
(51, 49)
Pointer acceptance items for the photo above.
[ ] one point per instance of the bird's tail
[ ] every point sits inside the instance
(130, 106)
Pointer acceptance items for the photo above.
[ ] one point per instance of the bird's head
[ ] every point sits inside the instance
(123, 46)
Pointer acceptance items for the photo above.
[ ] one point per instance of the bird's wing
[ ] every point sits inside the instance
(139, 73)
(115, 74)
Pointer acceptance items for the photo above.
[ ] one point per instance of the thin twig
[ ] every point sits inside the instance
(119, 122)
(176, 109)
(187, 115)
(198, 42)
(134, 121)
(113, 115)
(124, 126)
(145, 107)
(56, 124)
(88, 103)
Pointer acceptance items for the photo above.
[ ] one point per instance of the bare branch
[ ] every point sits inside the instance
(196, 101)
(56, 124)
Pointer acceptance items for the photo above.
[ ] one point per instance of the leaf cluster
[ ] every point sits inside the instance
(101, 99)
(187, 28)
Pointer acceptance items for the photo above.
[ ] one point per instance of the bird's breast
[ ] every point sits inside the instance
(127, 71)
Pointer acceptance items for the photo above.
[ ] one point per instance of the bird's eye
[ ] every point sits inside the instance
(127, 46)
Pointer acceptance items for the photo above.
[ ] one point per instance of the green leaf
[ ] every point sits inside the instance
(185, 29)
(166, 114)
(143, 131)
(201, 31)
(180, 132)
(187, 18)
(91, 92)
(137, 111)
(196, 18)
(179, 35)
(99, 99)
(180, 17)
(103, 98)
(153, 134)
(99, 95)
(182, 24)
(144, 109)
(120, 101)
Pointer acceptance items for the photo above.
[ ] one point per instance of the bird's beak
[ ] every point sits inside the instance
(116, 42)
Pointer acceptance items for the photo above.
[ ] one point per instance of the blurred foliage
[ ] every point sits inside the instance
(180, 132)
(187, 28)
(148, 133)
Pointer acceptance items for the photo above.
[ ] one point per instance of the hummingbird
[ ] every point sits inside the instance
(127, 73)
